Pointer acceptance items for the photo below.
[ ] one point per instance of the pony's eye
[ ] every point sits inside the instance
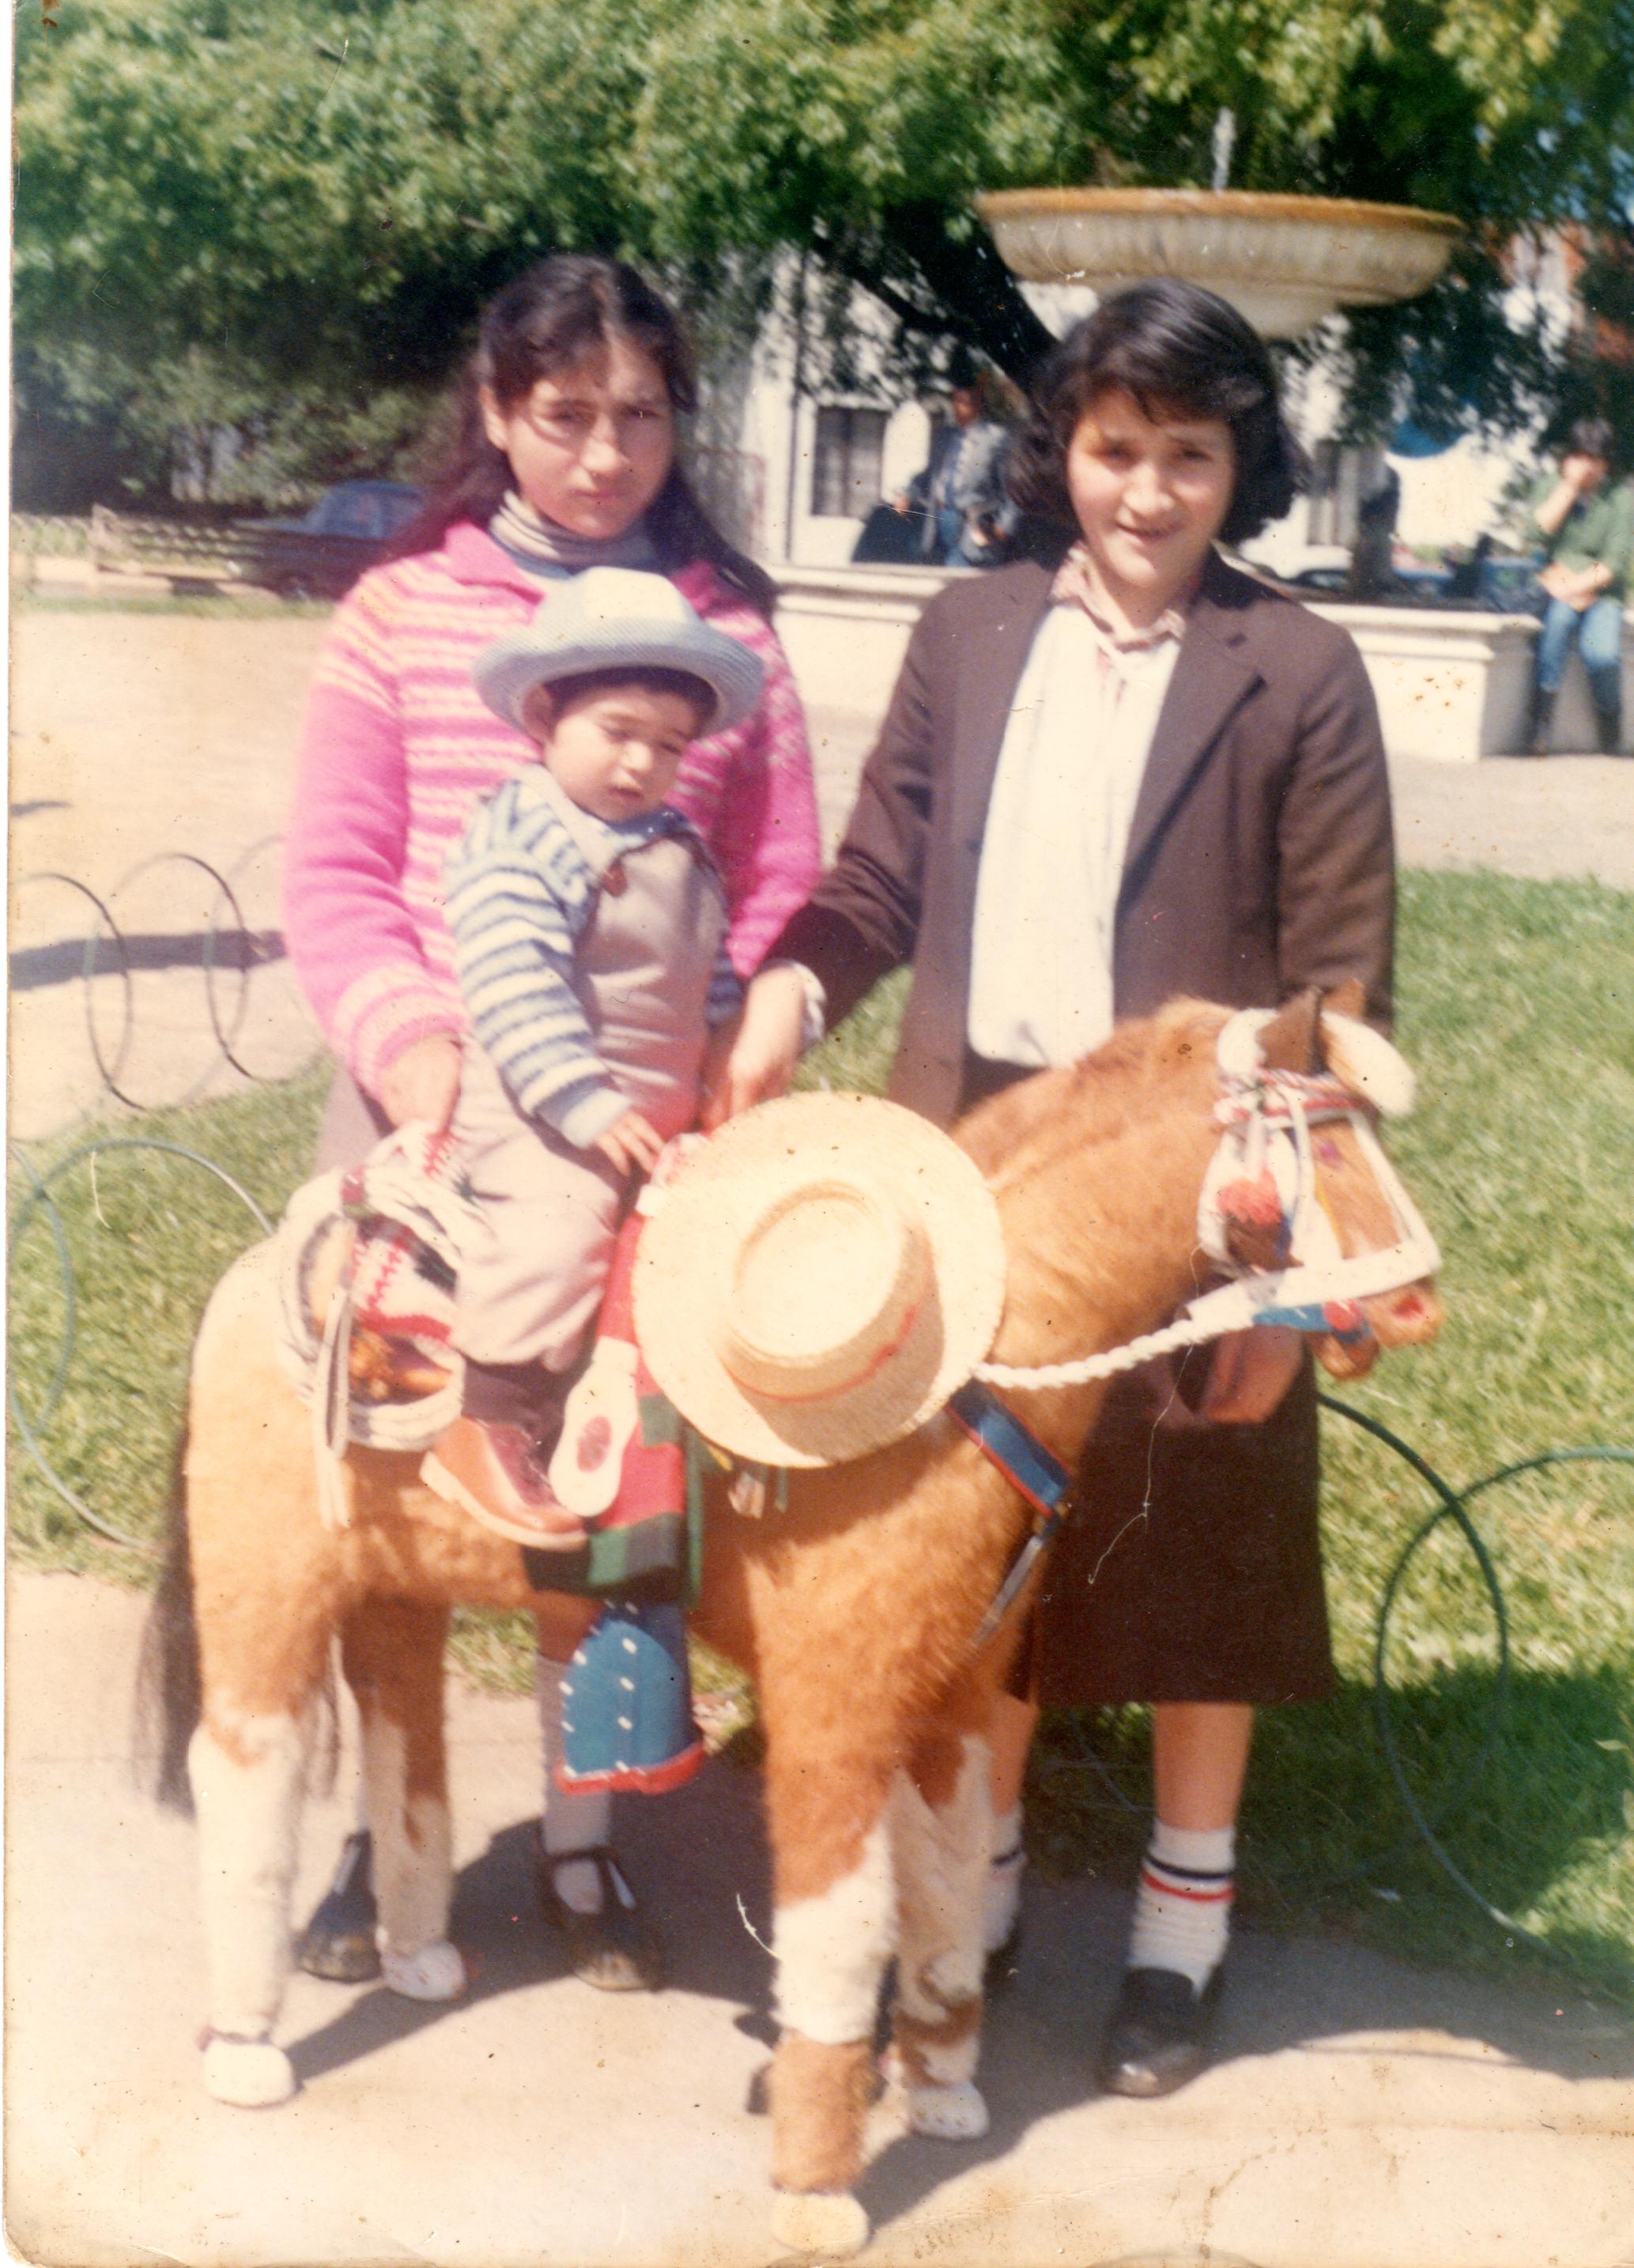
(1328, 1151)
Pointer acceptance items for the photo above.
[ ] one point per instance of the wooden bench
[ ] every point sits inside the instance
(195, 559)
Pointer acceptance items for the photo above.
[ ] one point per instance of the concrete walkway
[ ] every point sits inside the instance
(1360, 2115)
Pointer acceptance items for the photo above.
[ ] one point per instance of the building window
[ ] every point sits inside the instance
(846, 463)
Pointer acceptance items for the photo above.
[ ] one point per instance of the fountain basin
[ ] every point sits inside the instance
(1450, 683)
(1284, 262)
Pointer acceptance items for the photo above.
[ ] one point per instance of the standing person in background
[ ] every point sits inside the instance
(967, 515)
(564, 458)
(1585, 522)
(1107, 778)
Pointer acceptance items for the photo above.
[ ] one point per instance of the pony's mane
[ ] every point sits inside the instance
(1017, 1133)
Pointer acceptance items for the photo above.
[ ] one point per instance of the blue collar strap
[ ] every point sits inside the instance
(1030, 1468)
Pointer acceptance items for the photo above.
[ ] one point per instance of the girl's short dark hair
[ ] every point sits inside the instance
(542, 321)
(1181, 352)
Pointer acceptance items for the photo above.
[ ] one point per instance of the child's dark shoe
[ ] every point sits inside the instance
(1158, 2035)
(494, 1472)
(613, 1948)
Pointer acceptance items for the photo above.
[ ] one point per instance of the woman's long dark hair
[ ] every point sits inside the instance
(1181, 352)
(544, 321)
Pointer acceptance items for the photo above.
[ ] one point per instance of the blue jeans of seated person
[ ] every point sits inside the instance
(956, 546)
(1598, 631)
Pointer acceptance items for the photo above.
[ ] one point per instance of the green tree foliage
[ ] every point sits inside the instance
(314, 195)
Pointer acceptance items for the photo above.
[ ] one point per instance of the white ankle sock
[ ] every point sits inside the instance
(1182, 1907)
(571, 1822)
(1001, 1895)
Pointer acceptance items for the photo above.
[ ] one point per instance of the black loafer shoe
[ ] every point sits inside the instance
(1158, 2035)
(615, 1950)
(338, 1942)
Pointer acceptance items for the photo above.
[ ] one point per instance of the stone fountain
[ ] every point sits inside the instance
(1285, 262)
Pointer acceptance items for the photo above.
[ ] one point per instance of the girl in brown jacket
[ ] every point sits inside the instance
(1114, 774)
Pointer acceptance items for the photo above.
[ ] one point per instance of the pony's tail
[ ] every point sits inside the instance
(169, 1691)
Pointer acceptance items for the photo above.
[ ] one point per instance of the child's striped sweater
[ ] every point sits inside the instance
(522, 886)
(399, 747)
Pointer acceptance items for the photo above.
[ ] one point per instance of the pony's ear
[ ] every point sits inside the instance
(1348, 998)
(1292, 1039)
(1367, 1064)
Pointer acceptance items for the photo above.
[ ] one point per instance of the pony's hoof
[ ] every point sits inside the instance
(435, 1973)
(250, 2074)
(955, 2113)
(824, 2221)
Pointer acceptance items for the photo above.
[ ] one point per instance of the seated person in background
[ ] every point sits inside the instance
(1585, 525)
(589, 927)
(967, 515)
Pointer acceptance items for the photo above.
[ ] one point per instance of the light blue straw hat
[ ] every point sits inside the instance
(617, 618)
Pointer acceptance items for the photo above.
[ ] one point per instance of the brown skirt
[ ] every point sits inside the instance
(1190, 1569)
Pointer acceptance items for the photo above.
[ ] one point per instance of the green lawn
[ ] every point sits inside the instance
(1517, 1007)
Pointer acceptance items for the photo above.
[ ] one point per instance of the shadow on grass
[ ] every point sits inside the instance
(1525, 1787)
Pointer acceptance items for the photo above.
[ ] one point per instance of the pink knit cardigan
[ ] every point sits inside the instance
(398, 749)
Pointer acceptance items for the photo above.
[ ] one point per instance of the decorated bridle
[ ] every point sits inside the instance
(1259, 1215)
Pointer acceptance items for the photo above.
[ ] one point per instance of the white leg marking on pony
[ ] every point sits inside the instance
(248, 1775)
(413, 1870)
(250, 2075)
(816, 2221)
(941, 1860)
(954, 2110)
(437, 1972)
(831, 1950)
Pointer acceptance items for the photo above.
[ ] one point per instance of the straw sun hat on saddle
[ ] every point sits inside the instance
(617, 618)
(818, 1279)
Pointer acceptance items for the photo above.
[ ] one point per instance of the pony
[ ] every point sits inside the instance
(855, 1610)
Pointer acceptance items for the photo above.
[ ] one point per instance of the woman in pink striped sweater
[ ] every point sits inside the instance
(564, 458)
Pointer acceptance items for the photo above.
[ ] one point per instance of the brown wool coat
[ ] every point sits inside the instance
(1260, 861)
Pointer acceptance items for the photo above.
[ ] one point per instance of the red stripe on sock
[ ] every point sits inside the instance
(1152, 1882)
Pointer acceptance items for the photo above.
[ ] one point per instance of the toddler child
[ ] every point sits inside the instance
(589, 930)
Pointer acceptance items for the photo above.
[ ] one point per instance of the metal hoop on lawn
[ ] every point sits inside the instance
(105, 940)
(89, 952)
(39, 1196)
(1455, 1508)
(207, 959)
(233, 892)
(207, 962)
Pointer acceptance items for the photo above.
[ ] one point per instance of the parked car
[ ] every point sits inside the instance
(1510, 587)
(321, 554)
(1330, 580)
(1507, 586)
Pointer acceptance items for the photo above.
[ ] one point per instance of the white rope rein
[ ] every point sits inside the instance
(1201, 1320)
(1258, 1107)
